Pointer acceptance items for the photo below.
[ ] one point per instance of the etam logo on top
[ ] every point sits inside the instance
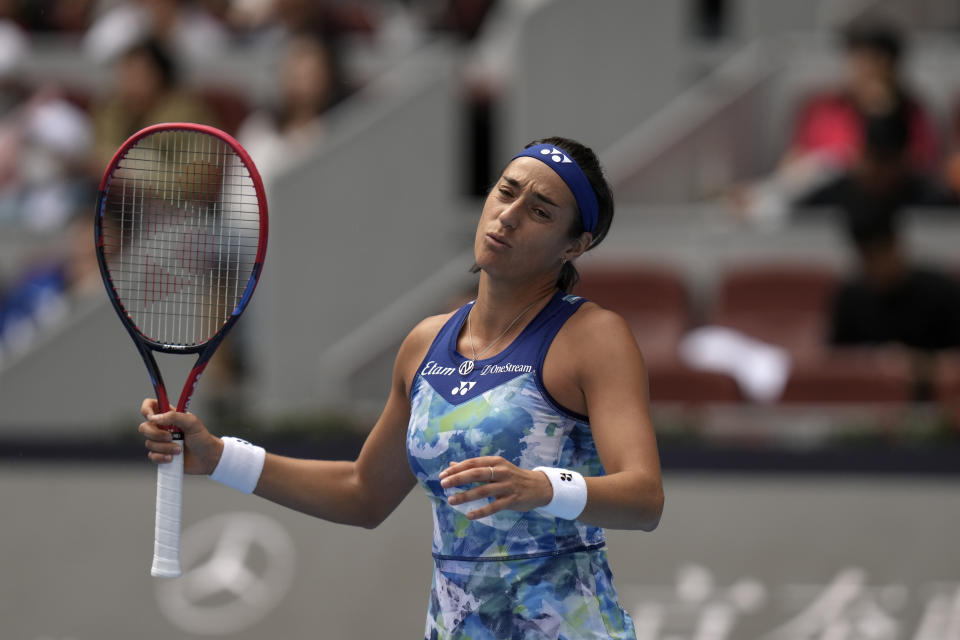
(431, 368)
(556, 155)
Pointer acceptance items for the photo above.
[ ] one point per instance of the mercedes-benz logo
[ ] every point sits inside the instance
(237, 568)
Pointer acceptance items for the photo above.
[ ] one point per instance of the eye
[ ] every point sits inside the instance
(541, 213)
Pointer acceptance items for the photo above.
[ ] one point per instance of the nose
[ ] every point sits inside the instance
(510, 214)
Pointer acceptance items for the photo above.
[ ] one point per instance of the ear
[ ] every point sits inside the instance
(578, 246)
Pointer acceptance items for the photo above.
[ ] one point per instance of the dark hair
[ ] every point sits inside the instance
(588, 162)
(875, 36)
(157, 55)
(886, 136)
(871, 221)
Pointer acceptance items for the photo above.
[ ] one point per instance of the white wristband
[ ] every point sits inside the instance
(569, 493)
(240, 465)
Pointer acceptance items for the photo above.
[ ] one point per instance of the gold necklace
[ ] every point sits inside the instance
(467, 365)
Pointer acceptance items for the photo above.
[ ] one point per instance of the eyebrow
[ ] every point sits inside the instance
(516, 185)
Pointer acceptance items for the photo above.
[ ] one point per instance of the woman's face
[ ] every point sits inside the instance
(524, 227)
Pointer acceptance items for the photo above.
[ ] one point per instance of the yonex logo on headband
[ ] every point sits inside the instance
(555, 154)
(573, 176)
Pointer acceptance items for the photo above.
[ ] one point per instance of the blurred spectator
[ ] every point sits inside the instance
(183, 27)
(831, 132)
(309, 83)
(14, 48)
(952, 165)
(145, 91)
(892, 301)
(832, 124)
(36, 300)
(43, 176)
(62, 16)
(44, 141)
(39, 295)
(883, 173)
(269, 22)
(460, 17)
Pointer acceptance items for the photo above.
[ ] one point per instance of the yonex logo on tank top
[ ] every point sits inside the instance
(463, 389)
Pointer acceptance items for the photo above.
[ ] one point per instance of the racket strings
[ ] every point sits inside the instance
(181, 235)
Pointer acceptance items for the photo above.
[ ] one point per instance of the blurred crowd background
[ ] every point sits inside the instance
(785, 246)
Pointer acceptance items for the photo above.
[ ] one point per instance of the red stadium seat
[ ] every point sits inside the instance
(867, 376)
(675, 383)
(652, 299)
(946, 379)
(783, 304)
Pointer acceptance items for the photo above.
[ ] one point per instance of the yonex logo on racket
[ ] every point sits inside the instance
(556, 155)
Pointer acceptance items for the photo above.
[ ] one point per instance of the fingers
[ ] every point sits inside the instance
(477, 493)
(490, 509)
(185, 422)
(474, 470)
(501, 492)
(492, 473)
(509, 486)
(149, 407)
(156, 430)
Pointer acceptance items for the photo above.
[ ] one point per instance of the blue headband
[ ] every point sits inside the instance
(572, 175)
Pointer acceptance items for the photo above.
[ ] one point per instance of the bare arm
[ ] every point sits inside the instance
(361, 493)
(613, 380)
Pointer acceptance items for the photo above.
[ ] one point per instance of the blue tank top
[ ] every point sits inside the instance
(499, 407)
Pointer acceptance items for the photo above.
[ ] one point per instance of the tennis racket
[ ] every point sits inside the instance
(181, 234)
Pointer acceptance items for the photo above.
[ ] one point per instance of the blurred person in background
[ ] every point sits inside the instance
(185, 28)
(57, 16)
(830, 134)
(44, 142)
(46, 145)
(270, 23)
(952, 164)
(883, 173)
(145, 91)
(891, 300)
(310, 82)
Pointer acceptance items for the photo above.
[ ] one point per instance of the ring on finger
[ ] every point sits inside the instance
(491, 474)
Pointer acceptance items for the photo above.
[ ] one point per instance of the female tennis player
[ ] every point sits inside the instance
(523, 415)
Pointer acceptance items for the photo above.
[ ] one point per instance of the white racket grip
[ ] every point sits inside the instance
(166, 543)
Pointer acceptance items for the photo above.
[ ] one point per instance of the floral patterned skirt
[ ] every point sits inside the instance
(563, 597)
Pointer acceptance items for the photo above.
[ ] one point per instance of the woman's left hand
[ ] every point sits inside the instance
(512, 487)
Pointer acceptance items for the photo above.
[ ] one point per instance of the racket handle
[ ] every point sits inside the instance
(166, 544)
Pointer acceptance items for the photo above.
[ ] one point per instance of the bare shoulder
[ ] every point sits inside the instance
(597, 338)
(424, 333)
(595, 326)
(415, 346)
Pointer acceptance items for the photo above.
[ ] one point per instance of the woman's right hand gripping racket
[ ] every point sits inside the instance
(181, 234)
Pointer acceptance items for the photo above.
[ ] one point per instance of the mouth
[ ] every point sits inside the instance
(497, 240)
